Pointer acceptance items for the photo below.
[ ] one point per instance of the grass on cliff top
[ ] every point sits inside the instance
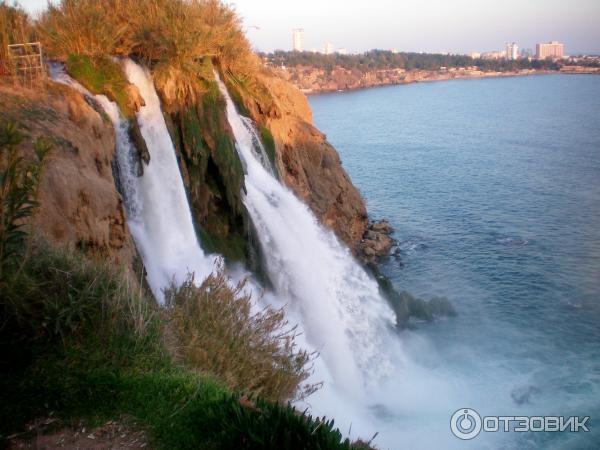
(171, 36)
(79, 342)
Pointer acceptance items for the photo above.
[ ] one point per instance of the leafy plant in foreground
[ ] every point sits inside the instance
(19, 181)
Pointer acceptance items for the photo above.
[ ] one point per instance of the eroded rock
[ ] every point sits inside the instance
(79, 205)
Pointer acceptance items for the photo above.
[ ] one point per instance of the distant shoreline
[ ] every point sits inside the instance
(386, 78)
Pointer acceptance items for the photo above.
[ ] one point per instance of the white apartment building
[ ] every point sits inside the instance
(298, 39)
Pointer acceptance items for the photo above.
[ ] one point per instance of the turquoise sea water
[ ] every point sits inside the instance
(493, 188)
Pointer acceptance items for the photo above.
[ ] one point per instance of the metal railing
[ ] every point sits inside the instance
(26, 62)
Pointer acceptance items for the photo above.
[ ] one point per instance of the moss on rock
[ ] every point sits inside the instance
(213, 174)
(101, 75)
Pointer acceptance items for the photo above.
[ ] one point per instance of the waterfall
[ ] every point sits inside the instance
(257, 146)
(157, 209)
(338, 304)
(162, 223)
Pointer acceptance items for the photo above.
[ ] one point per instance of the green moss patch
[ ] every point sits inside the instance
(268, 143)
(101, 75)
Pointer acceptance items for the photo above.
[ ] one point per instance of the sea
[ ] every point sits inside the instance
(493, 189)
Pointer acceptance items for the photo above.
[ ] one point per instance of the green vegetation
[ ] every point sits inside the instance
(268, 142)
(80, 340)
(383, 59)
(19, 181)
(215, 177)
(101, 75)
(217, 331)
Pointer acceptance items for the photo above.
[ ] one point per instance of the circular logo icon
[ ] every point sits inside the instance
(465, 423)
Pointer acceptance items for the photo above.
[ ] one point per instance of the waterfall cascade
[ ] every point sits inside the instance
(338, 304)
(161, 223)
(158, 213)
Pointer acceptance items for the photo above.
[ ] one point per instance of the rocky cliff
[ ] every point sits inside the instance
(304, 160)
(79, 202)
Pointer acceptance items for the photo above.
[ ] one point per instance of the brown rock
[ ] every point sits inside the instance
(79, 204)
(134, 99)
(382, 226)
(309, 165)
(376, 242)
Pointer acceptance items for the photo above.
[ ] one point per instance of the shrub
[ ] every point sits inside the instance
(18, 187)
(217, 332)
(56, 295)
(175, 37)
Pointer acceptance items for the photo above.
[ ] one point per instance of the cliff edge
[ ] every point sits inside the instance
(305, 161)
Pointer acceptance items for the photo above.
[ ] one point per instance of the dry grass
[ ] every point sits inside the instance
(217, 332)
(15, 28)
(172, 36)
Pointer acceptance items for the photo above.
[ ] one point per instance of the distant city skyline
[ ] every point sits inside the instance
(440, 26)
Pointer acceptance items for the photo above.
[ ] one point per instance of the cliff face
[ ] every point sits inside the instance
(305, 161)
(212, 174)
(79, 203)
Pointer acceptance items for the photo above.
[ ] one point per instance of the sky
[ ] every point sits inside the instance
(446, 26)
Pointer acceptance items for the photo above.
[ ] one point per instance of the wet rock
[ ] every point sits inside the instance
(134, 99)
(139, 143)
(376, 242)
(382, 226)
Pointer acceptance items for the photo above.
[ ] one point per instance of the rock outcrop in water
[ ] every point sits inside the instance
(79, 203)
(376, 242)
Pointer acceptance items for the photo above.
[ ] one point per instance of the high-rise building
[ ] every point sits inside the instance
(328, 48)
(554, 50)
(298, 39)
(512, 51)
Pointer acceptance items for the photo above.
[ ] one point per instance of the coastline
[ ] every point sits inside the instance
(315, 81)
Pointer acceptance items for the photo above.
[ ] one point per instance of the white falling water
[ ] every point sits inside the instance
(158, 213)
(257, 146)
(337, 303)
(370, 383)
(161, 222)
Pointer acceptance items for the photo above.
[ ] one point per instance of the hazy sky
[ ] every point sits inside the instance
(458, 26)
